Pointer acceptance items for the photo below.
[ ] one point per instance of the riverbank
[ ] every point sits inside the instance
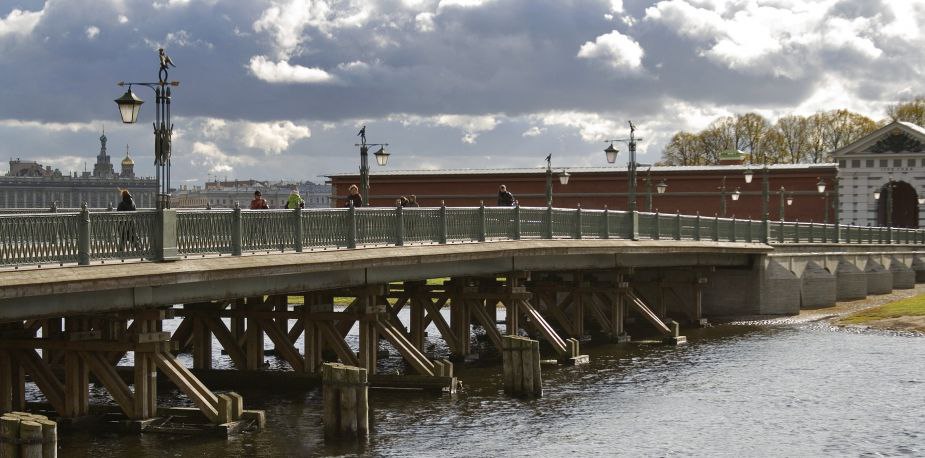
(900, 310)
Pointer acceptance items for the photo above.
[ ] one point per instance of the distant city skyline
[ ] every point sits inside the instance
(277, 89)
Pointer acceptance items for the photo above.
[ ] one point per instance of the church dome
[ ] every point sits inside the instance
(127, 161)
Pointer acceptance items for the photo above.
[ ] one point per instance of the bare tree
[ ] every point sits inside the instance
(794, 133)
(910, 111)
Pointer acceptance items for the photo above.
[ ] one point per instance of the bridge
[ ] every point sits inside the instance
(79, 290)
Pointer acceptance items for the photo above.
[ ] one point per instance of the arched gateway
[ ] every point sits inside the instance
(905, 205)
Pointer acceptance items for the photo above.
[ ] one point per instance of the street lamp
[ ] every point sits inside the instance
(765, 195)
(382, 158)
(129, 106)
(784, 197)
(722, 198)
(660, 188)
(736, 194)
(563, 179)
(611, 153)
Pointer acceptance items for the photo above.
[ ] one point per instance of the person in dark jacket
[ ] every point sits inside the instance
(354, 196)
(127, 226)
(505, 198)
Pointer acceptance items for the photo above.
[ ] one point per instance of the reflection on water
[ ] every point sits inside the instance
(794, 390)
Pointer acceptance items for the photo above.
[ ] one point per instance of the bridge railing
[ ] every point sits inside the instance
(86, 236)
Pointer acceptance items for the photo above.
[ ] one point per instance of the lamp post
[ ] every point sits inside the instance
(765, 197)
(784, 198)
(129, 106)
(563, 179)
(611, 153)
(382, 158)
(722, 195)
(660, 188)
(820, 187)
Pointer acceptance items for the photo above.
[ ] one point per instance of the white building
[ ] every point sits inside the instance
(893, 154)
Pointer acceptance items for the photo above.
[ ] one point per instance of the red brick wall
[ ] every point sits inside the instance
(689, 192)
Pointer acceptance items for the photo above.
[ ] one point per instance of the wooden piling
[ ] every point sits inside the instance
(345, 401)
(521, 366)
(28, 436)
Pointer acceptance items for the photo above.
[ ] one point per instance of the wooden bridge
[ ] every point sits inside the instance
(236, 278)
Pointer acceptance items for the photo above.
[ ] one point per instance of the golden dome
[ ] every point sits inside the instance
(127, 161)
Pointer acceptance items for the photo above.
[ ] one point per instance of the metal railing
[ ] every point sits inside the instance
(85, 236)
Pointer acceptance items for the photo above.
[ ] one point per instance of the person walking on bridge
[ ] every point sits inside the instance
(505, 198)
(354, 196)
(295, 200)
(259, 203)
(127, 226)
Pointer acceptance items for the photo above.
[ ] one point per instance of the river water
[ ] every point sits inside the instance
(791, 389)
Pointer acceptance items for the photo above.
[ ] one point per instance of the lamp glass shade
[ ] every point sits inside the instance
(820, 186)
(748, 175)
(921, 200)
(876, 195)
(736, 194)
(129, 105)
(563, 177)
(382, 157)
(661, 187)
(611, 153)
(789, 200)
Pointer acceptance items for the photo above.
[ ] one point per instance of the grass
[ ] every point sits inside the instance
(913, 306)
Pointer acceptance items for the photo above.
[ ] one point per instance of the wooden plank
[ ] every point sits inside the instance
(506, 364)
(337, 343)
(488, 323)
(183, 335)
(6, 382)
(43, 377)
(348, 400)
(559, 316)
(202, 343)
(284, 347)
(253, 345)
(646, 312)
(526, 346)
(362, 395)
(296, 330)
(433, 311)
(544, 328)
(415, 357)
(227, 341)
(111, 380)
(537, 369)
(188, 384)
(330, 400)
(594, 303)
(9, 436)
(517, 366)
(77, 386)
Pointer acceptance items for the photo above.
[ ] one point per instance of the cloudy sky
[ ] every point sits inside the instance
(279, 88)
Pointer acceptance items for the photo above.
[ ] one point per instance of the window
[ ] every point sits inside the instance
(870, 163)
(884, 163)
(910, 162)
(855, 163)
(841, 164)
(897, 162)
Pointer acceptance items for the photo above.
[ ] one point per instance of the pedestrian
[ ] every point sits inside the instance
(354, 196)
(403, 202)
(505, 198)
(259, 203)
(413, 201)
(295, 200)
(127, 225)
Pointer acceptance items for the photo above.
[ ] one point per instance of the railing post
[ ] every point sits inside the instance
(796, 231)
(517, 221)
(83, 236)
(748, 230)
(351, 226)
(166, 235)
(578, 222)
(633, 225)
(482, 230)
(765, 230)
(677, 232)
(54, 207)
(889, 234)
(297, 229)
(606, 234)
(812, 238)
(237, 237)
(549, 222)
(399, 226)
(697, 228)
(443, 224)
(825, 235)
(780, 233)
(715, 228)
(656, 227)
(837, 234)
(732, 233)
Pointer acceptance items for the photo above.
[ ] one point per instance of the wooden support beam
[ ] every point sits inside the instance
(202, 343)
(227, 340)
(488, 322)
(110, 379)
(555, 309)
(188, 384)
(544, 328)
(412, 355)
(145, 384)
(183, 335)
(284, 347)
(433, 311)
(594, 303)
(43, 377)
(76, 386)
(337, 343)
(6, 382)
(637, 303)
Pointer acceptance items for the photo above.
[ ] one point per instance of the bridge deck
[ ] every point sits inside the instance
(87, 289)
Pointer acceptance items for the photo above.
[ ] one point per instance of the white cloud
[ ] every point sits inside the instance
(52, 126)
(170, 4)
(617, 50)
(471, 125)
(424, 22)
(284, 72)
(534, 131)
(123, 19)
(273, 137)
(20, 22)
(460, 3)
(287, 20)
(65, 164)
(591, 127)
(92, 32)
(616, 6)
(208, 155)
